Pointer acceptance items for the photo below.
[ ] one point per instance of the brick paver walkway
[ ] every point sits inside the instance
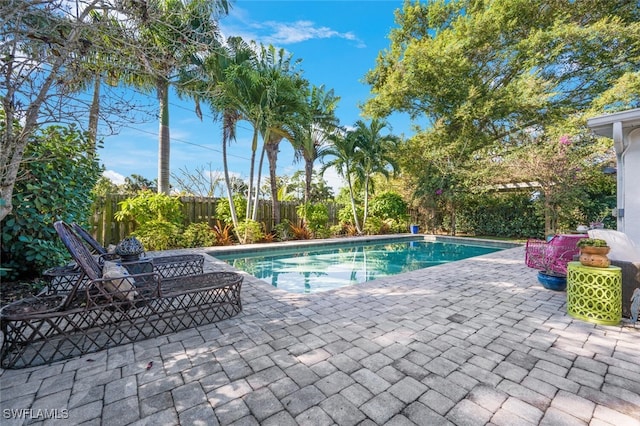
(469, 343)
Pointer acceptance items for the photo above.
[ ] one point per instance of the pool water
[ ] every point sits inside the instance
(309, 270)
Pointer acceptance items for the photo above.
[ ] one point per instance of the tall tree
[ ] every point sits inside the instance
(219, 83)
(171, 35)
(375, 155)
(343, 148)
(44, 48)
(284, 108)
(483, 75)
(314, 133)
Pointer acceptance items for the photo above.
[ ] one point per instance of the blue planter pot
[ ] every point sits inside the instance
(552, 282)
(414, 229)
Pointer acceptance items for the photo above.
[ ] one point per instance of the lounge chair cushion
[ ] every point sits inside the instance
(118, 283)
(622, 248)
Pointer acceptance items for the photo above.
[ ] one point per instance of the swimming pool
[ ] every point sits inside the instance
(312, 269)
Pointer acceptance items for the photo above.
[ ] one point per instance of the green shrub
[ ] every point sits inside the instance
(58, 176)
(198, 235)
(396, 226)
(282, 230)
(158, 235)
(223, 211)
(374, 226)
(345, 214)
(501, 215)
(389, 205)
(315, 216)
(337, 231)
(250, 231)
(148, 206)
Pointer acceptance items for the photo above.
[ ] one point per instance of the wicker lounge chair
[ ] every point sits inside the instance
(55, 326)
(625, 255)
(63, 278)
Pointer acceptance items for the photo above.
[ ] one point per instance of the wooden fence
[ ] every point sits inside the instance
(107, 230)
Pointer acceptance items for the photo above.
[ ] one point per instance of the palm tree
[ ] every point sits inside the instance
(172, 34)
(243, 91)
(343, 147)
(315, 132)
(284, 110)
(218, 86)
(101, 64)
(374, 155)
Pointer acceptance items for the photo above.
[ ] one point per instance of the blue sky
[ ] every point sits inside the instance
(338, 42)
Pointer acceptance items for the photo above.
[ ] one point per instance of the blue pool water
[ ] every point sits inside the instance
(309, 270)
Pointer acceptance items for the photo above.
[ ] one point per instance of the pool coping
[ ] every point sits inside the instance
(328, 242)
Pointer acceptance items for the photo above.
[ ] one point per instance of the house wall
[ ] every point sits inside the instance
(631, 219)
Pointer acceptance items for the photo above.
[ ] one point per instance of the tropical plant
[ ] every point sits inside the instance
(375, 156)
(148, 206)
(220, 83)
(157, 234)
(171, 36)
(45, 48)
(57, 175)
(223, 233)
(198, 235)
(284, 111)
(281, 230)
(342, 148)
(312, 135)
(591, 242)
(389, 205)
(251, 231)
(224, 210)
(314, 216)
(300, 232)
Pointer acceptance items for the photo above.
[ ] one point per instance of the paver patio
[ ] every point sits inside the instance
(473, 342)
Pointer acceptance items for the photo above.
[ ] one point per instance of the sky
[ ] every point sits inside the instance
(338, 42)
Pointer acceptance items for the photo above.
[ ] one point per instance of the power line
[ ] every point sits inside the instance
(134, 89)
(209, 148)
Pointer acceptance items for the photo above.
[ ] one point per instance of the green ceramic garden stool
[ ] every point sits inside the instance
(594, 294)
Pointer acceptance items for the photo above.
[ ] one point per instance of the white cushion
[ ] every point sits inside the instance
(119, 283)
(622, 248)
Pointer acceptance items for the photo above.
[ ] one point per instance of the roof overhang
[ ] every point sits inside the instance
(602, 125)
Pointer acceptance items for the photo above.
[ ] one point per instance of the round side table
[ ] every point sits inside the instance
(594, 294)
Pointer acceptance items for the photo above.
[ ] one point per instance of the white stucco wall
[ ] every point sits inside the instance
(624, 128)
(632, 187)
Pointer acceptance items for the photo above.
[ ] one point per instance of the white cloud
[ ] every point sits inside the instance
(283, 33)
(280, 33)
(114, 177)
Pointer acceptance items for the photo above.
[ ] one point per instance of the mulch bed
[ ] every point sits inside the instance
(11, 291)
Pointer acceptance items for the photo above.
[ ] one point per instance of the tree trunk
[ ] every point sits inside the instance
(94, 114)
(227, 180)
(272, 156)
(12, 145)
(353, 204)
(254, 216)
(453, 219)
(549, 216)
(254, 148)
(366, 201)
(308, 176)
(164, 142)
